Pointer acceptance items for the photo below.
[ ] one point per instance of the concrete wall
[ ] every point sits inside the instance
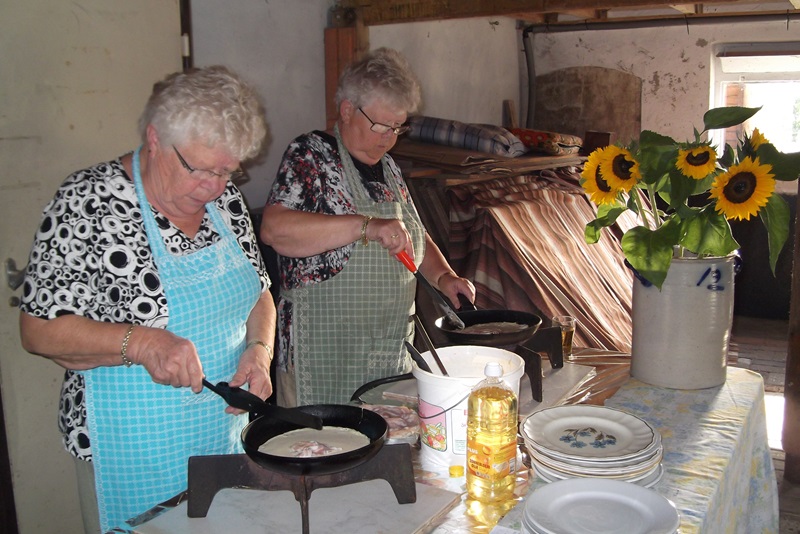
(466, 67)
(673, 62)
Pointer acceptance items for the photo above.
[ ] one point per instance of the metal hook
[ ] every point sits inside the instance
(14, 276)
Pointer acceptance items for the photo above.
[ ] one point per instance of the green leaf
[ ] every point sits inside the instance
(657, 154)
(650, 251)
(708, 232)
(775, 216)
(785, 167)
(607, 215)
(727, 116)
(728, 157)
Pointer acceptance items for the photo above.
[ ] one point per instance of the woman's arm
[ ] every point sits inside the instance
(298, 234)
(79, 343)
(254, 364)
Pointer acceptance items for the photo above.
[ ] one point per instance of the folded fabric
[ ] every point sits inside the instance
(479, 137)
(555, 144)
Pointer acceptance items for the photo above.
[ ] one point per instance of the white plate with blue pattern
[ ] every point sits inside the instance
(597, 433)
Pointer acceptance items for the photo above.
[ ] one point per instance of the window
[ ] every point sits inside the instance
(760, 74)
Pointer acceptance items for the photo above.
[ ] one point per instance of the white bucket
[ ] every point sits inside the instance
(443, 399)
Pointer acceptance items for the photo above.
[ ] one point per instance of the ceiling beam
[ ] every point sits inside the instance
(376, 12)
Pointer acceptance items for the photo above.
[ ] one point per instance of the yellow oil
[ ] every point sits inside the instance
(491, 442)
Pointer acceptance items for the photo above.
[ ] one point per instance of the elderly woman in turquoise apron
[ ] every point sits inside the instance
(145, 276)
(338, 213)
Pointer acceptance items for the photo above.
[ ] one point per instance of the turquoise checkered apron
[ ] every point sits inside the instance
(351, 328)
(143, 433)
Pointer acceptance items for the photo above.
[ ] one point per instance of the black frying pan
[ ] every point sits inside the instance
(369, 423)
(475, 316)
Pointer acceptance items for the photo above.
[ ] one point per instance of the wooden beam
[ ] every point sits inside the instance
(688, 9)
(376, 12)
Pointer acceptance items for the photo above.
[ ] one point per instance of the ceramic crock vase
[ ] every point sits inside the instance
(681, 333)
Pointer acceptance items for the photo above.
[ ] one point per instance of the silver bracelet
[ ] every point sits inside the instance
(124, 352)
(259, 342)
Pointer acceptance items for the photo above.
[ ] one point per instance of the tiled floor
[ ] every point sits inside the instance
(762, 345)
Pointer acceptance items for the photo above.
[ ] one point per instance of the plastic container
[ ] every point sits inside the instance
(443, 399)
(492, 438)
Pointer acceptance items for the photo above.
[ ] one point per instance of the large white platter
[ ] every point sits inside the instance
(591, 505)
(586, 431)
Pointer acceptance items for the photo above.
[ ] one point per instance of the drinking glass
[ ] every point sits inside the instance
(567, 324)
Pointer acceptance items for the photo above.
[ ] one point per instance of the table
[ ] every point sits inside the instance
(718, 468)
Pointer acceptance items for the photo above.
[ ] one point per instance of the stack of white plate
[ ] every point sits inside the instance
(593, 505)
(581, 441)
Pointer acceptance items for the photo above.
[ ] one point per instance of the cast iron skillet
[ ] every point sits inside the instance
(369, 423)
(475, 316)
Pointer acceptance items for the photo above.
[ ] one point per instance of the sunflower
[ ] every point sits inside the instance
(757, 139)
(619, 168)
(697, 162)
(600, 192)
(743, 190)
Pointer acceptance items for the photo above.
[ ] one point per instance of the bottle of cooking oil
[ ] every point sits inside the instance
(491, 438)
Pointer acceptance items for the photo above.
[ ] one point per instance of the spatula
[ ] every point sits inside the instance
(244, 400)
(437, 297)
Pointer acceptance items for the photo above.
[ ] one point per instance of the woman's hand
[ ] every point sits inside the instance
(453, 285)
(391, 234)
(171, 360)
(253, 370)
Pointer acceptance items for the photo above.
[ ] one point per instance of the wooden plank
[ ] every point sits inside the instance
(376, 12)
(791, 391)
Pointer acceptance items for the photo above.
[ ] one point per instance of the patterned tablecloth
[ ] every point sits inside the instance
(718, 468)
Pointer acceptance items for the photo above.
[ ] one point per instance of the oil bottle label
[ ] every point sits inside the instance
(491, 462)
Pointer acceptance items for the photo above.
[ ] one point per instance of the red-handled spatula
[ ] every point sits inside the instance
(437, 297)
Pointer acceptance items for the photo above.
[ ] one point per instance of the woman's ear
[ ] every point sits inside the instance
(346, 111)
(152, 138)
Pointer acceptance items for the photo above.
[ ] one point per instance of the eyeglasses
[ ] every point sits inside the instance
(380, 128)
(233, 175)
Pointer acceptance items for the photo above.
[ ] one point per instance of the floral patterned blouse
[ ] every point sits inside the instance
(90, 257)
(311, 178)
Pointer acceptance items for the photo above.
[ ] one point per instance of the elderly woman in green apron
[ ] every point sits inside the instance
(145, 276)
(338, 213)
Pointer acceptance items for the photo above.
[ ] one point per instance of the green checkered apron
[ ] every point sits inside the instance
(351, 328)
(143, 433)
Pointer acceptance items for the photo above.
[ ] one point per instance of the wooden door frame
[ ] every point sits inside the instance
(8, 508)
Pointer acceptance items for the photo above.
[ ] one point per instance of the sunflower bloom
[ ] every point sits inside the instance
(743, 190)
(600, 192)
(757, 139)
(619, 168)
(697, 162)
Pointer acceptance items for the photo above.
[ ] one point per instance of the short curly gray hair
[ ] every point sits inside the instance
(211, 105)
(382, 74)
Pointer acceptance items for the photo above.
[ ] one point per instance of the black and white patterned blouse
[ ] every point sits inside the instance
(91, 257)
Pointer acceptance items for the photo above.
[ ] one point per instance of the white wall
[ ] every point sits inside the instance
(466, 67)
(74, 77)
(674, 64)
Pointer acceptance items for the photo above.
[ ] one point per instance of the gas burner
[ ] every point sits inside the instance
(210, 474)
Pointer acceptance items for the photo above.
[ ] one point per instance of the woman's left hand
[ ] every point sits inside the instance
(452, 285)
(253, 370)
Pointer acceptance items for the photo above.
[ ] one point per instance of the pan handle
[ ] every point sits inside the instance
(466, 304)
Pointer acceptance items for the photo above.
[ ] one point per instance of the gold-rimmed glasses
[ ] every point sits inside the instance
(233, 175)
(381, 128)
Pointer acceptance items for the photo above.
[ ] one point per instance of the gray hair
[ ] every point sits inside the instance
(211, 105)
(383, 74)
